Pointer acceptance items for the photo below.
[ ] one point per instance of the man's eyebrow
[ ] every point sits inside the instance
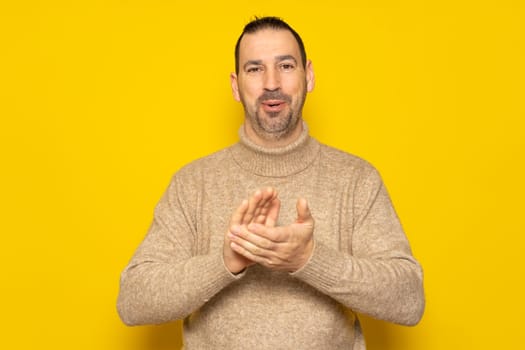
(284, 58)
(279, 58)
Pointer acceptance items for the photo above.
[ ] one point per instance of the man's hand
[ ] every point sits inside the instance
(262, 209)
(283, 248)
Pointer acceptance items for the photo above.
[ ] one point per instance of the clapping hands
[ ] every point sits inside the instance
(253, 236)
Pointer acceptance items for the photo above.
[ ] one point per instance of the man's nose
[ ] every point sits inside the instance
(272, 80)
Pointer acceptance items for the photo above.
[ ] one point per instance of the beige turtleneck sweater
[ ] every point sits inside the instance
(361, 263)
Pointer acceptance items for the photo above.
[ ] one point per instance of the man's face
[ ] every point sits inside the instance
(271, 84)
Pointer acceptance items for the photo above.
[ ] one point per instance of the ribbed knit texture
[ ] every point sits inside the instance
(361, 261)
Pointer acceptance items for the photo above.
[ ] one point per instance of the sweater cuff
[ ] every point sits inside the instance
(324, 268)
(218, 276)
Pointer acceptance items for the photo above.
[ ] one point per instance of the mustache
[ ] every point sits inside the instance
(274, 95)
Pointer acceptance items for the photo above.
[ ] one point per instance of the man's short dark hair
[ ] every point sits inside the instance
(268, 23)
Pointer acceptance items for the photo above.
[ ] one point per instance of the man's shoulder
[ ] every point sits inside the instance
(205, 165)
(340, 164)
(338, 158)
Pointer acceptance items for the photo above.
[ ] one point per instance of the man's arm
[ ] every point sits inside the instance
(379, 278)
(165, 279)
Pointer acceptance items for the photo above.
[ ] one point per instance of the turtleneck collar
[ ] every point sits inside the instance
(275, 162)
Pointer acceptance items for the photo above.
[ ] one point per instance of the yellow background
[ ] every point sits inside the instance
(102, 101)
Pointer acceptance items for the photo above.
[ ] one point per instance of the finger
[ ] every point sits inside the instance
(271, 235)
(273, 212)
(303, 211)
(252, 252)
(253, 203)
(270, 261)
(260, 214)
(252, 241)
(239, 213)
(262, 208)
(239, 249)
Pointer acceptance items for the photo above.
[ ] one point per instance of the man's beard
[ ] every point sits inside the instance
(274, 125)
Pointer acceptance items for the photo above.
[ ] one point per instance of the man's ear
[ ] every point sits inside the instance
(235, 87)
(310, 76)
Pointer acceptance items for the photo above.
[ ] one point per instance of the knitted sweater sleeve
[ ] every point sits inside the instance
(166, 280)
(379, 277)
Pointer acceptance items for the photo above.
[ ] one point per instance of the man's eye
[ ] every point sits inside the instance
(287, 66)
(254, 69)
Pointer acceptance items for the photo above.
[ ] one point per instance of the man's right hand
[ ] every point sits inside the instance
(261, 208)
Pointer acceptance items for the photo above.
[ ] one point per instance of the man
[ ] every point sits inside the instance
(277, 241)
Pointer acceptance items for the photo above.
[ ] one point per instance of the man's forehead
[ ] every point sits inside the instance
(268, 43)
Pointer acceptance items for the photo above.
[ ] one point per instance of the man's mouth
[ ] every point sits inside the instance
(273, 105)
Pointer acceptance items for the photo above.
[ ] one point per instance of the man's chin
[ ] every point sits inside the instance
(276, 131)
(274, 115)
(274, 125)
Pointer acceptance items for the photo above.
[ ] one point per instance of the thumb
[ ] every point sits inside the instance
(303, 211)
